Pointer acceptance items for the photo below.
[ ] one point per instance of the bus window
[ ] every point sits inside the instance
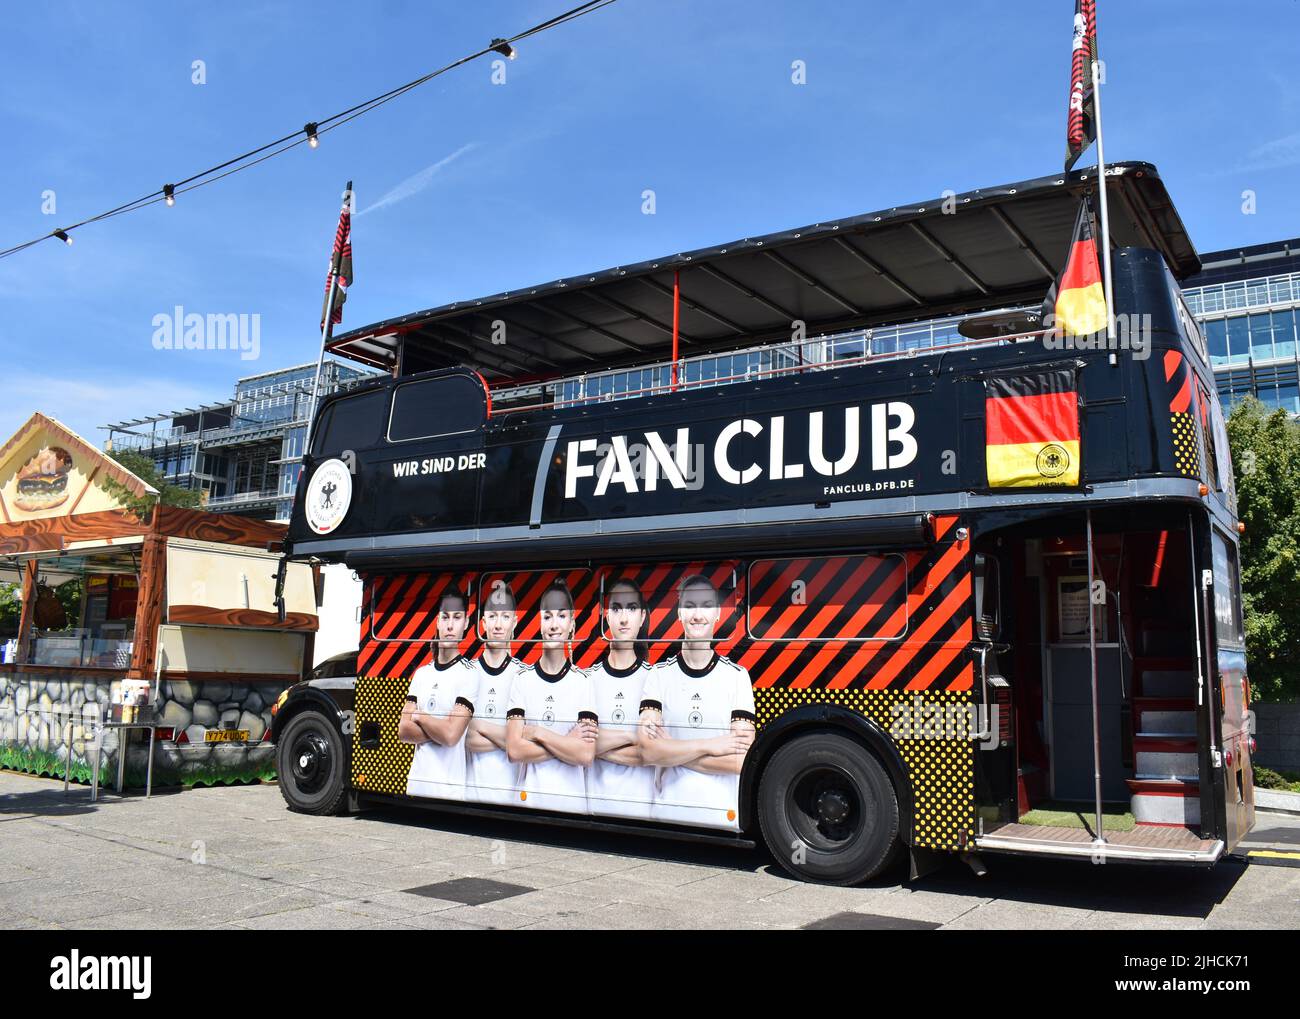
(429, 408)
(404, 607)
(1227, 597)
(681, 597)
(349, 423)
(987, 594)
(532, 610)
(828, 598)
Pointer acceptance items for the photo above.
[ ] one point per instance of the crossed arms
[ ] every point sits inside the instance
(717, 755)
(417, 727)
(528, 744)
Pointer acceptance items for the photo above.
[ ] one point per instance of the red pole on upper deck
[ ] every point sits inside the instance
(677, 303)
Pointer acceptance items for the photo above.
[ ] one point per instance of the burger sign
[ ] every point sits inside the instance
(43, 480)
(48, 470)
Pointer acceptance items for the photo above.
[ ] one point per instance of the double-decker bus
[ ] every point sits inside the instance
(815, 538)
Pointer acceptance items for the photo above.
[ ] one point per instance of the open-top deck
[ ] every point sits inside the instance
(950, 256)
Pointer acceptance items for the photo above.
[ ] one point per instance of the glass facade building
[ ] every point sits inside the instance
(243, 454)
(1248, 303)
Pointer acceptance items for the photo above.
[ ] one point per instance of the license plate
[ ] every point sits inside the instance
(226, 736)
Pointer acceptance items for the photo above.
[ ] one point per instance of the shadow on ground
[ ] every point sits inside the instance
(1116, 888)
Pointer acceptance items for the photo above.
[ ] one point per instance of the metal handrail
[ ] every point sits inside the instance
(753, 374)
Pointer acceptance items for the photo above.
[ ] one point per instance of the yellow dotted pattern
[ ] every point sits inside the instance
(937, 751)
(382, 770)
(1187, 451)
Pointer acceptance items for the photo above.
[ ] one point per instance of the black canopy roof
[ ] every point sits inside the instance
(985, 249)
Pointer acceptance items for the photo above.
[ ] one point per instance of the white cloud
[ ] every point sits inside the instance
(84, 405)
(1272, 155)
(417, 182)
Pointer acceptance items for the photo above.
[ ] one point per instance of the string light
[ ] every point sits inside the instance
(312, 131)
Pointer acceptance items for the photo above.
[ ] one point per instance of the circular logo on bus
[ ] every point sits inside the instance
(329, 494)
(1053, 460)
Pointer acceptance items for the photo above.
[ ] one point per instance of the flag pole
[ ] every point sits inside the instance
(1107, 282)
(326, 331)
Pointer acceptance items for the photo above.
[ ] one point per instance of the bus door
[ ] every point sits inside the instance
(996, 753)
(1225, 708)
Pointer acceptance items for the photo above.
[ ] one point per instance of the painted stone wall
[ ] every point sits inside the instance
(40, 714)
(1277, 731)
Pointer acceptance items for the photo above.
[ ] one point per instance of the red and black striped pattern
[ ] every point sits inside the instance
(929, 603)
(1080, 132)
(401, 621)
(900, 621)
(528, 588)
(854, 597)
(340, 263)
(658, 584)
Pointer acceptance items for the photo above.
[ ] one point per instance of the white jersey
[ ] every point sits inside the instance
(553, 702)
(438, 770)
(619, 790)
(698, 704)
(492, 777)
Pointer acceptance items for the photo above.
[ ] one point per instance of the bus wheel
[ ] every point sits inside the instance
(311, 762)
(828, 810)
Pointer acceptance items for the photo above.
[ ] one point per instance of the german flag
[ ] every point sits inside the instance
(1076, 301)
(1032, 429)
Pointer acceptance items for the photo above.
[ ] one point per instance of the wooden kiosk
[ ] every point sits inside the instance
(175, 619)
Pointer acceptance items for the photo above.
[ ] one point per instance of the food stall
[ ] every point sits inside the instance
(132, 611)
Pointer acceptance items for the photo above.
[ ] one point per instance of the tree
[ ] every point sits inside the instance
(1266, 463)
(11, 607)
(143, 467)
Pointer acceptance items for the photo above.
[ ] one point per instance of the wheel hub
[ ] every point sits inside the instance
(833, 806)
(311, 761)
(825, 808)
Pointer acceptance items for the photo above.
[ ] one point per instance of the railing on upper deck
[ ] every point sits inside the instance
(823, 353)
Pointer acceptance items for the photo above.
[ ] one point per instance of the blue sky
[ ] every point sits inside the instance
(469, 188)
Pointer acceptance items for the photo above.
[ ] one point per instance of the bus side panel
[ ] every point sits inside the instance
(886, 635)
(918, 686)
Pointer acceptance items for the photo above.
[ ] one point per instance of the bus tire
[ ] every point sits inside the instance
(828, 810)
(312, 765)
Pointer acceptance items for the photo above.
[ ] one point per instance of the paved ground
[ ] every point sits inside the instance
(235, 857)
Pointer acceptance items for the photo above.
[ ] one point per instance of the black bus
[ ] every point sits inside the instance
(816, 538)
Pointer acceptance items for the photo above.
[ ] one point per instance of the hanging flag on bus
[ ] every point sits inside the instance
(1076, 302)
(1081, 123)
(1032, 429)
(340, 266)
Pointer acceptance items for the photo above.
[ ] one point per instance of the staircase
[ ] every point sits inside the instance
(1166, 788)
